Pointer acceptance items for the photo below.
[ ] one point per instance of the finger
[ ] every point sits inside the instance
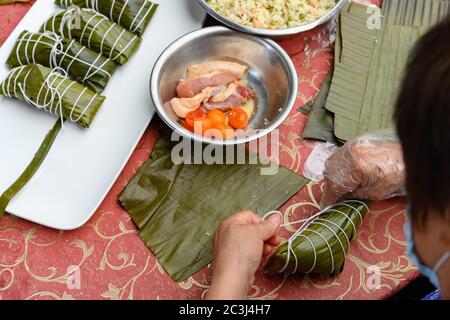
(244, 217)
(267, 250)
(269, 228)
(274, 241)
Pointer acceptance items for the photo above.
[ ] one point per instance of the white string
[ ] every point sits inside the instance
(143, 18)
(122, 11)
(315, 219)
(112, 9)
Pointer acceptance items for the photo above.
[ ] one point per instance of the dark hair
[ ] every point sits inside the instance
(423, 123)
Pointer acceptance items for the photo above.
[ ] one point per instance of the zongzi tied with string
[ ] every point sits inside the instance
(178, 207)
(133, 15)
(49, 90)
(49, 49)
(321, 245)
(95, 31)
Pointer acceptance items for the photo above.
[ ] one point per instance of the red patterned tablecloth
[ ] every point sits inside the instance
(115, 264)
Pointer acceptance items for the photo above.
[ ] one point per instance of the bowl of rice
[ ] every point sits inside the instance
(272, 18)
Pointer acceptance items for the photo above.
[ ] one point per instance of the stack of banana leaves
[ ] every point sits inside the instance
(177, 207)
(321, 245)
(64, 68)
(366, 77)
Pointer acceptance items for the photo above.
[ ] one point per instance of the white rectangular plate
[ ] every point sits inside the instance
(83, 163)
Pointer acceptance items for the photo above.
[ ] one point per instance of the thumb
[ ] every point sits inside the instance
(268, 228)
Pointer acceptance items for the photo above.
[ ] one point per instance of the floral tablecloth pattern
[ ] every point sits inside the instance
(113, 263)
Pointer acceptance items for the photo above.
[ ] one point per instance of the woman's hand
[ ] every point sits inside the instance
(240, 244)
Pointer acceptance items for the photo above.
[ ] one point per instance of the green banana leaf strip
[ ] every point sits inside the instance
(178, 207)
(94, 31)
(48, 90)
(320, 125)
(31, 169)
(12, 1)
(82, 64)
(311, 249)
(306, 108)
(133, 15)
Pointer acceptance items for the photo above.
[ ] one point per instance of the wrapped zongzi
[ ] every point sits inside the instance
(134, 15)
(95, 31)
(53, 92)
(320, 246)
(52, 50)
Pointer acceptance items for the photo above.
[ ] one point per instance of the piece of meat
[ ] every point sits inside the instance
(182, 106)
(189, 88)
(231, 102)
(237, 87)
(225, 94)
(198, 70)
(217, 90)
(246, 92)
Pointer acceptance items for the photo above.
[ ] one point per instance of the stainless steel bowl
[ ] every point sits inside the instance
(279, 33)
(271, 74)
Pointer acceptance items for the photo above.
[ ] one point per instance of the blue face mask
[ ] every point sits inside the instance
(431, 274)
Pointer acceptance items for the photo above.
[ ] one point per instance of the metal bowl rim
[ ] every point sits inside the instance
(183, 40)
(273, 32)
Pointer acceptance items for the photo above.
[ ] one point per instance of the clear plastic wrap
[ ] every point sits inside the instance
(368, 167)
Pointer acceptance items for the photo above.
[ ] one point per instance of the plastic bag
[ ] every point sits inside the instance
(368, 167)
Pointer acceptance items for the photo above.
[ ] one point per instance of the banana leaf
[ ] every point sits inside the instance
(322, 246)
(51, 50)
(133, 15)
(306, 108)
(369, 63)
(31, 169)
(320, 125)
(48, 90)
(94, 31)
(178, 207)
(12, 1)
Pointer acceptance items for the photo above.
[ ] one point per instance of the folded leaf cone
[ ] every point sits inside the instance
(133, 15)
(94, 31)
(178, 207)
(52, 50)
(320, 125)
(321, 247)
(48, 90)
